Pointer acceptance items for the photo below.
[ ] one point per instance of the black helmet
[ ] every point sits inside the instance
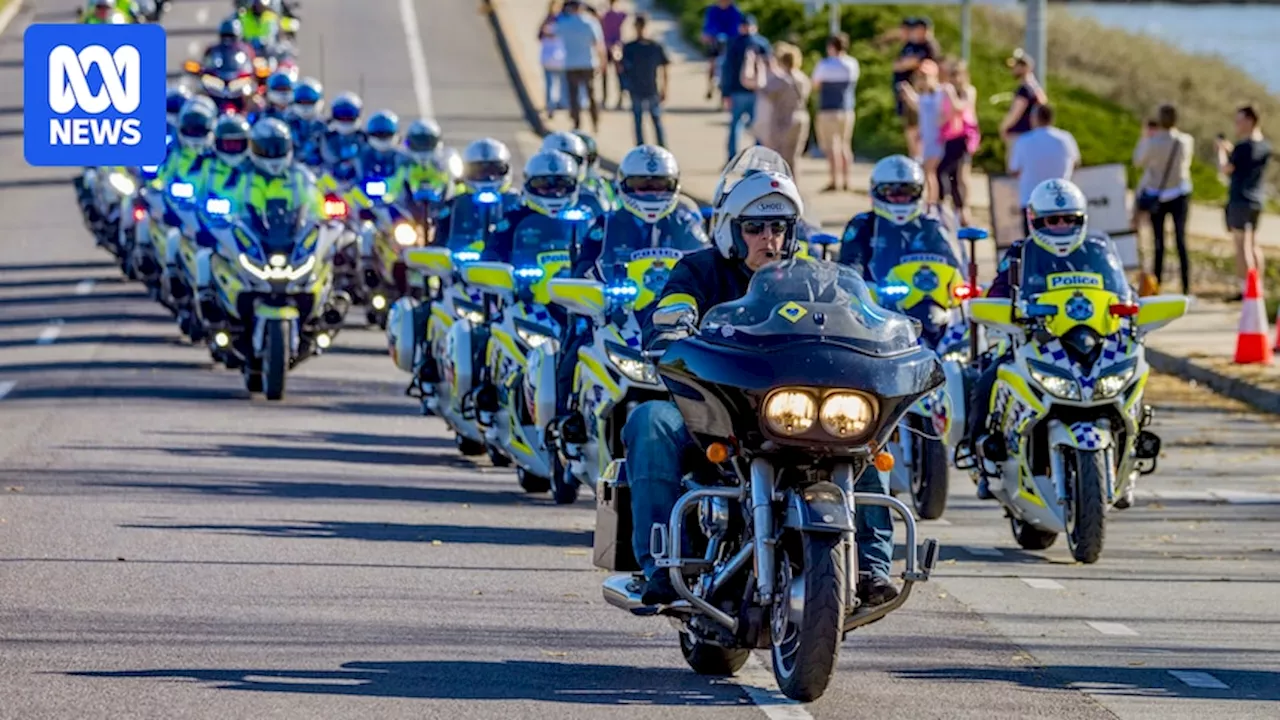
(231, 139)
(271, 146)
(231, 29)
(195, 123)
(422, 138)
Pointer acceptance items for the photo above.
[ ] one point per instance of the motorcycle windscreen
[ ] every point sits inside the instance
(540, 252)
(805, 298)
(1082, 285)
(914, 262)
(643, 254)
(468, 221)
(277, 226)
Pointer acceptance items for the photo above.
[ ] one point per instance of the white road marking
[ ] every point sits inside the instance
(1199, 680)
(1111, 628)
(50, 334)
(1042, 583)
(1246, 497)
(984, 551)
(7, 387)
(84, 287)
(417, 58)
(7, 14)
(757, 682)
(202, 15)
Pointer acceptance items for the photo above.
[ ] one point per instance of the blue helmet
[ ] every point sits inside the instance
(382, 128)
(231, 29)
(308, 96)
(345, 112)
(280, 89)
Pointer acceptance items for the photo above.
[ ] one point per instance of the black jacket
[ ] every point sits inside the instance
(858, 243)
(704, 279)
(623, 229)
(524, 227)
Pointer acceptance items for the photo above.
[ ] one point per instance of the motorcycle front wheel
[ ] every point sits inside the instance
(929, 468)
(275, 360)
(807, 614)
(1086, 507)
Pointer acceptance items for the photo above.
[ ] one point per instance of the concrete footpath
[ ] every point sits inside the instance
(1198, 347)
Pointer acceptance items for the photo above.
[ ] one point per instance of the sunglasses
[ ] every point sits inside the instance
(757, 227)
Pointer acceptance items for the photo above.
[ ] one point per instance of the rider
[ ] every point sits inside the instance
(550, 188)
(486, 167)
(897, 192)
(304, 121)
(754, 225)
(231, 35)
(280, 92)
(102, 12)
(195, 135)
(174, 99)
(343, 140)
(274, 175)
(573, 146)
(261, 24)
(428, 166)
(1057, 215)
(220, 193)
(596, 182)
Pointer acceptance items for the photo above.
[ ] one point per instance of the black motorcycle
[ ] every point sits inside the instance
(791, 392)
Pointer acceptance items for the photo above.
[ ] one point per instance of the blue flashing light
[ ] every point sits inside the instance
(622, 290)
(465, 256)
(574, 214)
(377, 188)
(182, 190)
(894, 290)
(217, 206)
(529, 273)
(486, 197)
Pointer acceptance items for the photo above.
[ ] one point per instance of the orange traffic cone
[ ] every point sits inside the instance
(1252, 343)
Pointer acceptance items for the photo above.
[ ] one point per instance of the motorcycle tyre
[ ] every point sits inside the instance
(929, 477)
(712, 660)
(531, 483)
(564, 487)
(275, 363)
(820, 630)
(497, 458)
(470, 448)
(1087, 531)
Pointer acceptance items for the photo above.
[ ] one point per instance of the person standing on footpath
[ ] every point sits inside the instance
(644, 72)
(611, 25)
(720, 23)
(738, 81)
(918, 45)
(1245, 164)
(552, 56)
(927, 103)
(782, 118)
(584, 56)
(1165, 160)
(1044, 153)
(1026, 98)
(960, 137)
(835, 80)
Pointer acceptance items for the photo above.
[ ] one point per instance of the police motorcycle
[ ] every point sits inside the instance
(442, 353)
(273, 281)
(540, 239)
(1068, 431)
(107, 12)
(229, 77)
(611, 377)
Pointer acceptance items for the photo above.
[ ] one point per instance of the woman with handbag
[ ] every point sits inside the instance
(960, 137)
(1165, 189)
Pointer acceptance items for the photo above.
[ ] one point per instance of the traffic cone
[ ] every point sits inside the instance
(1252, 343)
(1277, 347)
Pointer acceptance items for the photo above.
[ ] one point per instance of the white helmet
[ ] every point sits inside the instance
(756, 185)
(571, 145)
(486, 165)
(1057, 213)
(402, 333)
(649, 183)
(897, 186)
(551, 182)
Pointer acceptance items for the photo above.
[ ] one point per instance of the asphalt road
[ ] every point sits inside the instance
(171, 548)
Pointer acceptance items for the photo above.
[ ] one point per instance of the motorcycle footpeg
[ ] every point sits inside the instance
(929, 557)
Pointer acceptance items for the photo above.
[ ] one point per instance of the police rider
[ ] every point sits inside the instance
(280, 93)
(273, 174)
(573, 146)
(304, 120)
(754, 225)
(595, 181)
(261, 25)
(486, 167)
(897, 199)
(231, 38)
(221, 194)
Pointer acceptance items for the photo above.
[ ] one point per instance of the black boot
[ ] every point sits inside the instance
(659, 590)
(874, 590)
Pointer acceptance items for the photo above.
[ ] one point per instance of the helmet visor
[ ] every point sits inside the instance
(346, 113)
(274, 147)
(422, 143)
(551, 186)
(232, 145)
(1063, 225)
(650, 187)
(194, 126)
(487, 171)
(758, 226)
(898, 193)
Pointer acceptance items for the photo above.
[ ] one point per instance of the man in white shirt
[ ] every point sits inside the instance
(835, 81)
(1045, 153)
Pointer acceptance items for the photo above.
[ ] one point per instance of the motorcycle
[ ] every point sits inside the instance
(230, 78)
(161, 249)
(385, 234)
(1069, 404)
(921, 277)
(102, 193)
(273, 281)
(611, 378)
(791, 392)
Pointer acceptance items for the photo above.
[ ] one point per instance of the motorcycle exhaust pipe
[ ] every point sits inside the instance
(621, 592)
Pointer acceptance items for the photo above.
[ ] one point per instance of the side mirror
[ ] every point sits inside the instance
(578, 296)
(494, 277)
(675, 316)
(1156, 311)
(433, 261)
(995, 313)
(972, 233)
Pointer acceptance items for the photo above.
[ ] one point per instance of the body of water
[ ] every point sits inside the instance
(1244, 35)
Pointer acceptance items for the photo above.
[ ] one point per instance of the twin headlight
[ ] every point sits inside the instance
(1107, 386)
(533, 339)
(278, 269)
(841, 414)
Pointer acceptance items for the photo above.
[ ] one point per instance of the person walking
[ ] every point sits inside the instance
(611, 26)
(1026, 98)
(1245, 165)
(584, 56)
(720, 23)
(738, 82)
(782, 122)
(917, 46)
(835, 80)
(927, 102)
(960, 138)
(1044, 153)
(1165, 160)
(552, 57)
(644, 72)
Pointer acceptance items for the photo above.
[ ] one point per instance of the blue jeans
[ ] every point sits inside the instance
(553, 81)
(650, 104)
(657, 440)
(742, 106)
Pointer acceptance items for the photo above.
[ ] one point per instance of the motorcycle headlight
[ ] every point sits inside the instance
(533, 339)
(1057, 385)
(475, 317)
(278, 268)
(241, 84)
(405, 234)
(1110, 385)
(790, 412)
(213, 82)
(956, 356)
(122, 183)
(637, 370)
(846, 415)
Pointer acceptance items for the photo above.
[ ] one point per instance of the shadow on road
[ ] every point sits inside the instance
(337, 437)
(96, 339)
(397, 532)
(138, 294)
(1110, 680)
(471, 680)
(100, 365)
(311, 490)
(52, 266)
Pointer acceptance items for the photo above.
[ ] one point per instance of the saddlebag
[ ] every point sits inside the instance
(611, 549)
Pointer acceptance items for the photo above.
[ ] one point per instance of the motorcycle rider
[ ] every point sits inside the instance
(1057, 216)
(304, 121)
(897, 198)
(273, 174)
(174, 99)
(343, 139)
(261, 25)
(573, 146)
(220, 194)
(195, 136)
(102, 12)
(280, 91)
(755, 224)
(550, 188)
(230, 36)
(486, 167)
(595, 180)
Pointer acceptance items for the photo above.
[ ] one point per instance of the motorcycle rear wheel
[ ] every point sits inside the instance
(712, 660)
(804, 657)
(275, 361)
(1086, 509)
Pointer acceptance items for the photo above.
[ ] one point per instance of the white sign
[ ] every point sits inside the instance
(121, 79)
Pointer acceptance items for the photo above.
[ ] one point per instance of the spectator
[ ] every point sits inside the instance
(784, 126)
(960, 138)
(1026, 98)
(927, 102)
(1044, 153)
(644, 71)
(835, 79)
(738, 82)
(1245, 164)
(552, 61)
(917, 46)
(611, 25)
(583, 57)
(720, 24)
(1165, 160)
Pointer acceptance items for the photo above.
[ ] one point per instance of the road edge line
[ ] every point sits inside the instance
(1259, 398)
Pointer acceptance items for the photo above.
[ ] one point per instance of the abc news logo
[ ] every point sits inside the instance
(69, 90)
